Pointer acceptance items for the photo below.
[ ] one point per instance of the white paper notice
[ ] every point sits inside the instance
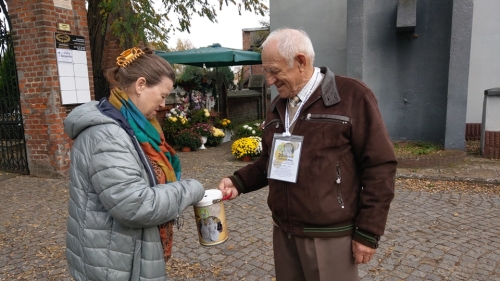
(64, 55)
(65, 4)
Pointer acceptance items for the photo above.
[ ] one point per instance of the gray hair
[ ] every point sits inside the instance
(290, 42)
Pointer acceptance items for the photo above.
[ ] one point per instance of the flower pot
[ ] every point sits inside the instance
(186, 149)
(203, 142)
(246, 158)
(227, 136)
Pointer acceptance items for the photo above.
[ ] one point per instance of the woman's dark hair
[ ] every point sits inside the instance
(148, 65)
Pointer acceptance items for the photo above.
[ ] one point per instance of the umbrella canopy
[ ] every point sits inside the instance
(212, 56)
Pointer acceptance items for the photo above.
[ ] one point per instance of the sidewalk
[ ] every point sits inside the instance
(474, 168)
(448, 235)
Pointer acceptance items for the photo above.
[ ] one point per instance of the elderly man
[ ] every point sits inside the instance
(330, 202)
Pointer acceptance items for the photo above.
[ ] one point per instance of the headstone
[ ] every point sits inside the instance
(256, 82)
(490, 127)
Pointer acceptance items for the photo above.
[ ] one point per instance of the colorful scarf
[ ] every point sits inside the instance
(165, 162)
(149, 135)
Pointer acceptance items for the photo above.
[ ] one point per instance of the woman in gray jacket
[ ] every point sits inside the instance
(125, 187)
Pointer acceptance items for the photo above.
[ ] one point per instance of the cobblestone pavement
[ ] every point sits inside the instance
(429, 235)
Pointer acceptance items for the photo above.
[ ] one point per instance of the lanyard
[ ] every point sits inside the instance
(287, 115)
(287, 118)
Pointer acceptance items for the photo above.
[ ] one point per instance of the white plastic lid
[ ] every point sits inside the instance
(210, 196)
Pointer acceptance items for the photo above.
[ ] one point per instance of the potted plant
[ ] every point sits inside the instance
(248, 130)
(188, 138)
(175, 121)
(226, 126)
(246, 148)
(216, 137)
(199, 116)
(204, 130)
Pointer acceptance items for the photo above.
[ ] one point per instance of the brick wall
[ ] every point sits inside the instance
(244, 108)
(473, 131)
(491, 147)
(249, 69)
(33, 26)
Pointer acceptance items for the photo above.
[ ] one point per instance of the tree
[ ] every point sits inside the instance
(228, 74)
(134, 21)
(190, 71)
(182, 45)
(261, 36)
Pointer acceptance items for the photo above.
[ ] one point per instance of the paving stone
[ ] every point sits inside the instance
(424, 239)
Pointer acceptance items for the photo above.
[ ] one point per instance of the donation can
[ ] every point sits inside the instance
(211, 219)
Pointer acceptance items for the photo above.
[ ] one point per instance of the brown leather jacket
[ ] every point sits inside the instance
(344, 138)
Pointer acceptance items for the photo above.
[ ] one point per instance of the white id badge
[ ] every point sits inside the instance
(285, 157)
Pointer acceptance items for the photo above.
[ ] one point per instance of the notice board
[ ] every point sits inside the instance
(72, 67)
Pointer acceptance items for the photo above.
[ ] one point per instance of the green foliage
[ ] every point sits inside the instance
(250, 129)
(203, 129)
(416, 148)
(175, 121)
(201, 83)
(223, 123)
(227, 72)
(190, 72)
(9, 91)
(199, 116)
(188, 138)
(216, 137)
(135, 21)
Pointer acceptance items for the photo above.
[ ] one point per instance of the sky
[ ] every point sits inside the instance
(227, 32)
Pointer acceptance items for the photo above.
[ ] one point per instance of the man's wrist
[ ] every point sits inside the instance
(366, 238)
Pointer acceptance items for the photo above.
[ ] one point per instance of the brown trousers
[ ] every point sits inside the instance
(313, 259)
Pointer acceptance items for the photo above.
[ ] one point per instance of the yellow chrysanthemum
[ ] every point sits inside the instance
(245, 146)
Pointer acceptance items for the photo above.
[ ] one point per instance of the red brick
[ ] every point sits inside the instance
(33, 30)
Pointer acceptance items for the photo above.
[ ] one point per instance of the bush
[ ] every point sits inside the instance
(188, 138)
(175, 121)
(216, 137)
(251, 129)
(199, 116)
(224, 124)
(203, 129)
(249, 146)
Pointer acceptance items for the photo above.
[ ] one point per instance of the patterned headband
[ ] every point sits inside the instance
(128, 56)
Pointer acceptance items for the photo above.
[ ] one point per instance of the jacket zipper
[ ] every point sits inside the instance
(277, 121)
(339, 190)
(327, 117)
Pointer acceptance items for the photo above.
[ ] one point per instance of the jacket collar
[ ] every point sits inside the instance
(329, 92)
(329, 89)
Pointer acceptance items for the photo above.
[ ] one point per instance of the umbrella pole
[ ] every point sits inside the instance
(218, 89)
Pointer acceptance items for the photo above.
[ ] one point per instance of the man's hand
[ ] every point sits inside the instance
(227, 187)
(361, 253)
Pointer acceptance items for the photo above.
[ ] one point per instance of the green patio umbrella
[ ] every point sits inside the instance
(212, 56)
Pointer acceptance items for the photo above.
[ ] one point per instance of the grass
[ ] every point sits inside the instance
(416, 148)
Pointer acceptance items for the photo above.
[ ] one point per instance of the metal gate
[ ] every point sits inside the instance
(13, 157)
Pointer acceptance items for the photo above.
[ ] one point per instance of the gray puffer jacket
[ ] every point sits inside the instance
(115, 205)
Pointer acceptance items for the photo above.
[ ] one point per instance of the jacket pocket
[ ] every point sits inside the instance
(275, 122)
(327, 118)
(271, 128)
(330, 131)
(338, 182)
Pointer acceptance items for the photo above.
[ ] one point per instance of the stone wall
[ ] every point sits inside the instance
(244, 107)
